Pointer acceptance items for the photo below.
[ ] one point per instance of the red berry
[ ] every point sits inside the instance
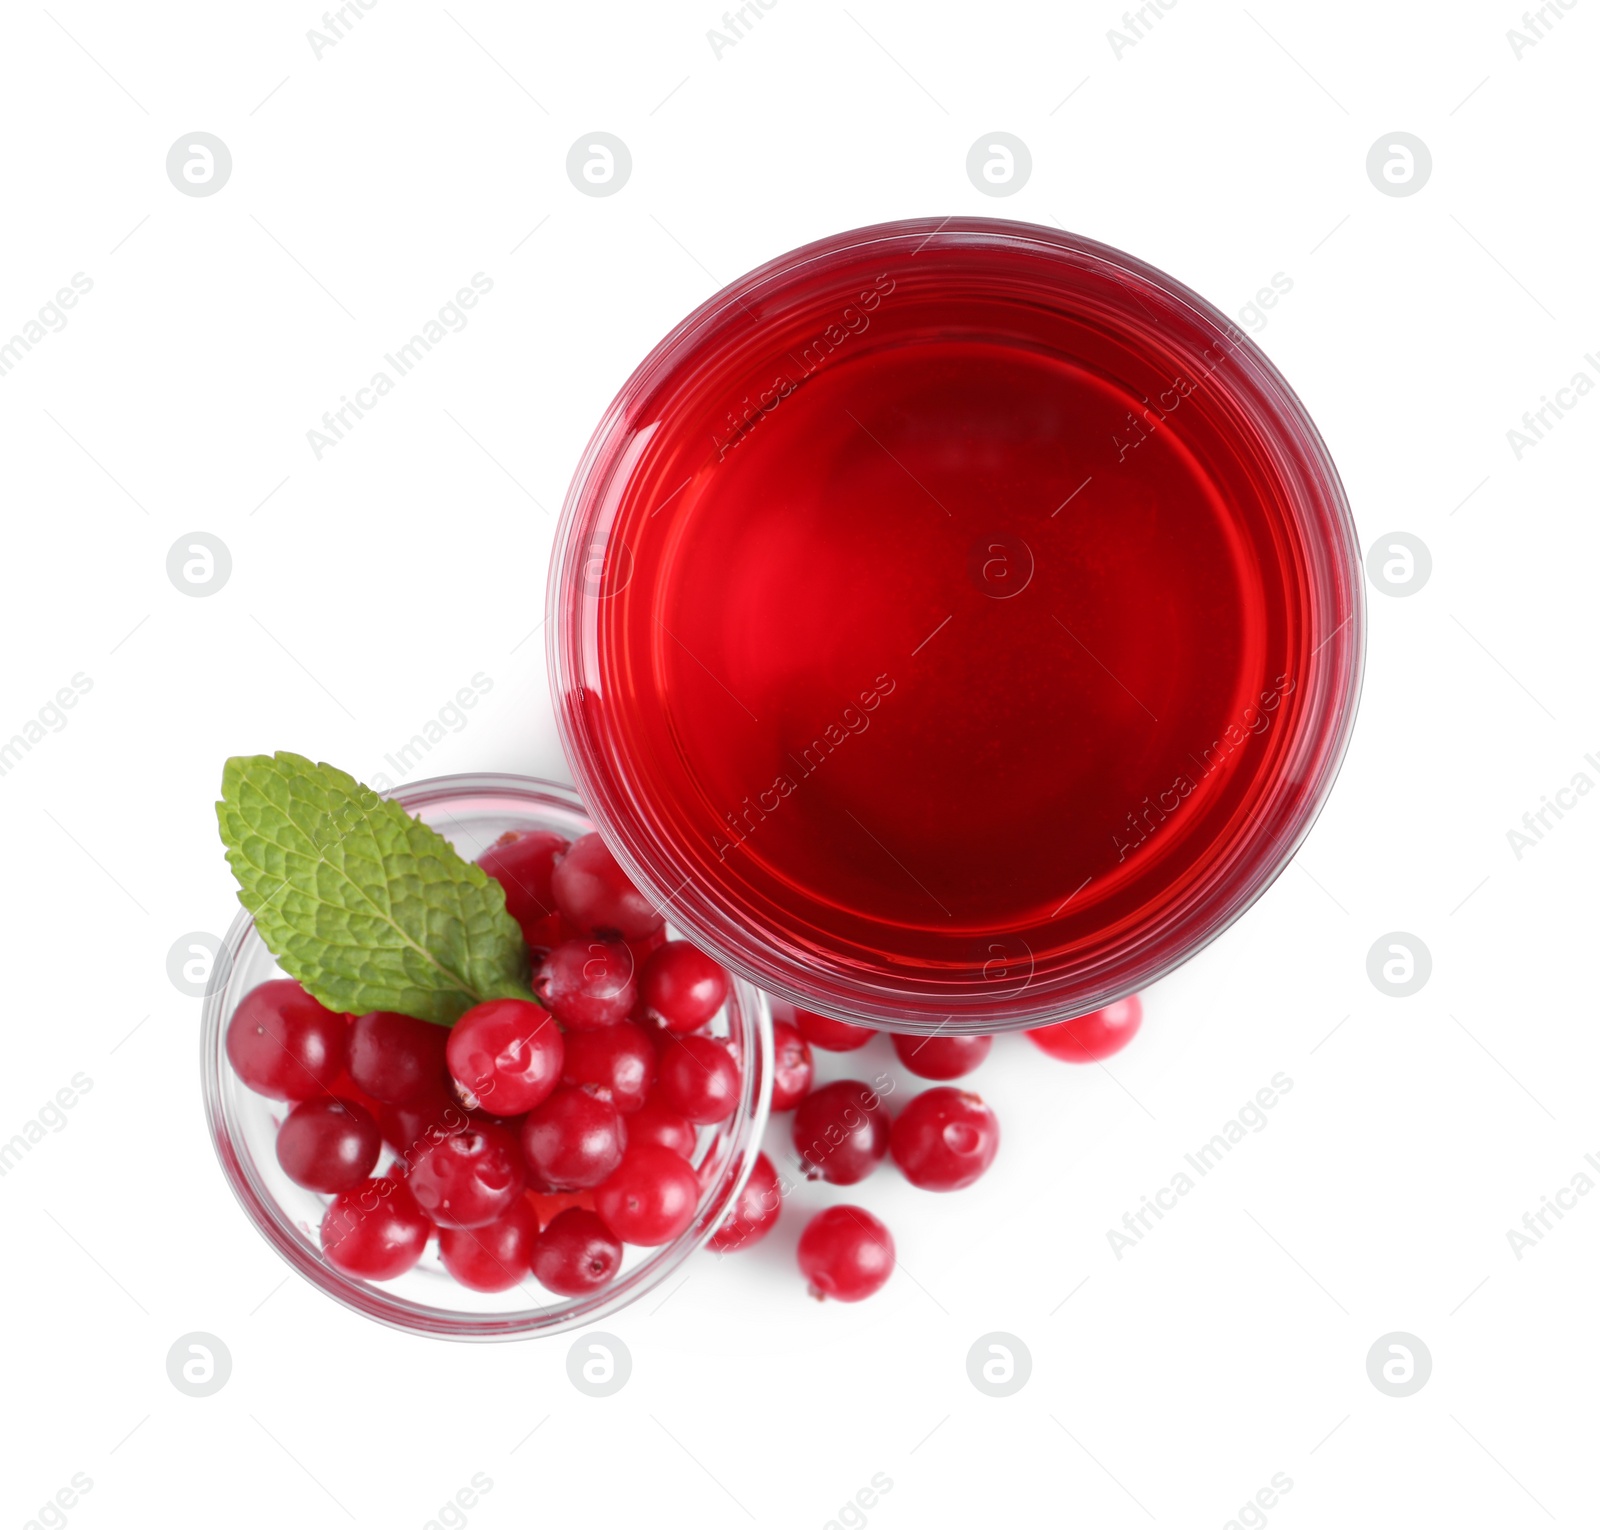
(945, 1139)
(1093, 1036)
(576, 1254)
(832, 1035)
(682, 987)
(375, 1230)
(755, 1211)
(841, 1132)
(588, 983)
(551, 1203)
(644, 949)
(792, 1068)
(328, 1145)
(618, 1062)
(470, 1178)
(397, 1059)
(697, 1078)
(573, 1141)
(410, 1128)
(507, 1054)
(284, 1044)
(845, 1253)
(522, 863)
(594, 893)
(941, 1057)
(497, 1255)
(651, 1198)
(660, 1124)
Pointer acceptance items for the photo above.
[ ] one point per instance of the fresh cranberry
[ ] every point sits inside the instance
(682, 986)
(522, 863)
(410, 1128)
(328, 1144)
(845, 1253)
(651, 1198)
(792, 1068)
(573, 1141)
(470, 1178)
(497, 1255)
(659, 1123)
(697, 1078)
(588, 983)
(1093, 1036)
(841, 1132)
(284, 1044)
(644, 949)
(576, 1254)
(619, 1061)
(506, 1054)
(375, 1230)
(832, 1035)
(395, 1058)
(945, 1139)
(551, 1203)
(594, 892)
(755, 1211)
(546, 935)
(941, 1057)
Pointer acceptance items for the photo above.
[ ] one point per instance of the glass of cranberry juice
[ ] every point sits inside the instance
(956, 625)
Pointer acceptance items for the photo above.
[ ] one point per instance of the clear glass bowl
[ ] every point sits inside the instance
(632, 541)
(471, 812)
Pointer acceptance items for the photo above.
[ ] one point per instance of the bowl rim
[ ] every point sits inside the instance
(1322, 514)
(749, 1015)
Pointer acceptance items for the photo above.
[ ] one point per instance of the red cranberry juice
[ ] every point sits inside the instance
(937, 614)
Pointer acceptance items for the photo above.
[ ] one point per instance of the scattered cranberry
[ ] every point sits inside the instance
(619, 1062)
(832, 1035)
(1093, 1036)
(841, 1132)
(941, 1057)
(651, 1198)
(792, 1068)
(507, 1054)
(755, 1211)
(573, 1141)
(697, 1078)
(522, 863)
(945, 1139)
(658, 1123)
(588, 983)
(845, 1253)
(375, 1230)
(284, 1044)
(470, 1178)
(497, 1255)
(328, 1144)
(397, 1059)
(576, 1254)
(682, 986)
(594, 892)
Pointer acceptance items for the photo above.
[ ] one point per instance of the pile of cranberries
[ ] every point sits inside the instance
(536, 1140)
(533, 1139)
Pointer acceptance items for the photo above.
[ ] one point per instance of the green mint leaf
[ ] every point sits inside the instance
(363, 905)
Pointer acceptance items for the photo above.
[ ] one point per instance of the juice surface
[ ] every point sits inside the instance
(943, 623)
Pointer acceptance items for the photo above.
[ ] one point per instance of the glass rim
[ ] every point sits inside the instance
(1318, 509)
(749, 1016)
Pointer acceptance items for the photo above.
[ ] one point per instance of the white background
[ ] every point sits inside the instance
(367, 587)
